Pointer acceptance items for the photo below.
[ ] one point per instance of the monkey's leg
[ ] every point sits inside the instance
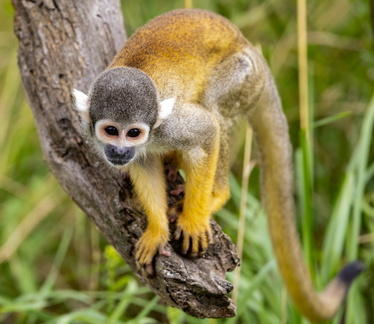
(221, 189)
(193, 224)
(149, 184)
(221, 192)
(235, 87)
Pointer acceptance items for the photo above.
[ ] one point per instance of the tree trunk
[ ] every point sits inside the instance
(64, 44)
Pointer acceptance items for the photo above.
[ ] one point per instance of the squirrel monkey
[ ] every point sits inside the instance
(172, 94)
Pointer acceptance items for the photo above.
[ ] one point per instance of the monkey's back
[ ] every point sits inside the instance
(179, 50)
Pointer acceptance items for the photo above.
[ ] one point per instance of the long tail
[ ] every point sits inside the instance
(271, 131)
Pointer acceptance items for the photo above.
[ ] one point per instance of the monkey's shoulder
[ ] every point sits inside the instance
(189, 126)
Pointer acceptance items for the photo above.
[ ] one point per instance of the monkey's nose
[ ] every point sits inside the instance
(119, 155)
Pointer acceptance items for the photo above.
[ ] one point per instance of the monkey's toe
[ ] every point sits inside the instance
(178, 190)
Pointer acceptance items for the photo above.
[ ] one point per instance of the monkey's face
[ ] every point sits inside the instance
(121, 143)
(121, 111)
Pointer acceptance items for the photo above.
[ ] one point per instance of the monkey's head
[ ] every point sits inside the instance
(120, 113)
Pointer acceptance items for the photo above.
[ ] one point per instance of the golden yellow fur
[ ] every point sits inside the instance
(169, 49)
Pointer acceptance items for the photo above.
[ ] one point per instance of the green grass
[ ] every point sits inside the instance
(55, 267)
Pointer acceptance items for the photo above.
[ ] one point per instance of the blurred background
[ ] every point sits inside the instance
(56, 268)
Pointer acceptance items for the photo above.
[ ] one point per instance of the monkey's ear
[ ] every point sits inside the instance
(166, 108)
(81, 104)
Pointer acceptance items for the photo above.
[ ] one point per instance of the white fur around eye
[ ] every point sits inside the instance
(103, 136)
(139, 140)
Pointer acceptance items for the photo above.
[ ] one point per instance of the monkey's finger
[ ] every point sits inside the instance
(144, 262)
(209, 236)
(204, 244)
(186, 244)
(178, 234)
(147, 270)
(145, 254)
(178, 190)
(195, 248)
(163, 251)
(172, 217)
(139, 253)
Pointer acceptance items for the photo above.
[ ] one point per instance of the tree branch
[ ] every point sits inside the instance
(64, 44)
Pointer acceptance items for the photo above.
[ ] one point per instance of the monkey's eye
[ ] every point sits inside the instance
(134, 132)
(111, 130)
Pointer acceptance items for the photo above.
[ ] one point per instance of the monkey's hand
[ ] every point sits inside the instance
(149, 244)
(195, 236)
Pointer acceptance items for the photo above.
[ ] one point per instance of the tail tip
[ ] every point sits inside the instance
(350, 272)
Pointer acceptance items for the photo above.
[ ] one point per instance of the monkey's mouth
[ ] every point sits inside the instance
(120, 161)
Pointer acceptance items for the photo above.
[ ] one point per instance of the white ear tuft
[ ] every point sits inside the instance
(81, 101)
(81, 104)
(166, 108)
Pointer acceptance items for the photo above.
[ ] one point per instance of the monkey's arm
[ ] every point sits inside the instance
(193, 224)
(271, 131)
(149, 184)
(198, 141)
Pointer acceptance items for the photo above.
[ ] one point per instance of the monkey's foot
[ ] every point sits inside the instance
(195, 237)
(148, 246)
(171, 172)
(175, 211)
(178, 190)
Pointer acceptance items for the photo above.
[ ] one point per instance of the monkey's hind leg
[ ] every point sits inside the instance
(221, 193)
(149, 184)
(221, 188)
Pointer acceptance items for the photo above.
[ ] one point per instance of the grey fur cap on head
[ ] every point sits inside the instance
(122, 94)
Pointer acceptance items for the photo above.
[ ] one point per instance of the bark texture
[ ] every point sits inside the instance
(64, 44)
